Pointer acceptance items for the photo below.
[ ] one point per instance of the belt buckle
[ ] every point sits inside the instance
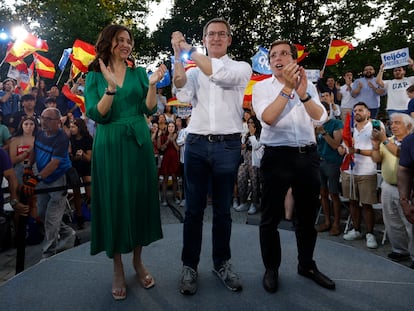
(210, 138)
(302, 149)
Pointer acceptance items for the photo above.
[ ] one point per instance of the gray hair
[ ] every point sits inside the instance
(56, 111)
(407, 120)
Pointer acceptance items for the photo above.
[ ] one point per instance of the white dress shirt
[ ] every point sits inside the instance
(294, 127)
(217, 100)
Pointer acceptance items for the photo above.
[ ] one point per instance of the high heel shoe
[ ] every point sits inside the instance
(119, 293)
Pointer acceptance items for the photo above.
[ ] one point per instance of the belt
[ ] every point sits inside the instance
(217, 138)
(299, 149)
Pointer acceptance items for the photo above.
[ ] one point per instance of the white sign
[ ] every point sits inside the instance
(13, 73)
(312, 74)
(397, 58)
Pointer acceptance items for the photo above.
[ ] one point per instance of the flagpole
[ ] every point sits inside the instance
(327, 55)
(60, 76)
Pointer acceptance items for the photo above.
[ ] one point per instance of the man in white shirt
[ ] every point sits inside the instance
(287, 105)
(397, 98)
(359, 184)
(215, 88)
(347, 102)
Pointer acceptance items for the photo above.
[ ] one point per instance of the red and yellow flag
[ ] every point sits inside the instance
(173, 101)
(82, 55)
(44, 67)
(249, 88)
(337, 51)
(301, 52)
(77, 99)
(22, 48)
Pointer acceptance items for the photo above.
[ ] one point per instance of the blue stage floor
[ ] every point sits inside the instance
(74, 280)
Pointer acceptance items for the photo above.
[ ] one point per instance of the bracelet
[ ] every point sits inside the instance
(110, 93)
(324, 133)
(358, 151)
(286, 95)
(308, 98)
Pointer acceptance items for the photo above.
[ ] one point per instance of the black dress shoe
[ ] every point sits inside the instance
(270, 280)
(317, 276)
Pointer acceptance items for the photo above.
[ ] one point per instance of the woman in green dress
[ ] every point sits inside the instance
(125, 202)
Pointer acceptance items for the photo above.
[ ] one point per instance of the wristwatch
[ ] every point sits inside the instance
(13, 202)
(307, 98)
(386, 142)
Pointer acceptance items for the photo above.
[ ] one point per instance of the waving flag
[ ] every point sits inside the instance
(44, 67)
(64, 58)
(22, 48)
(348, 161)
(18, 63)
(260, 62)
(253, 80)
(337, 51)
(173, 101)
(301, 52)
(165, 81)
(77, 99)
(82, 55)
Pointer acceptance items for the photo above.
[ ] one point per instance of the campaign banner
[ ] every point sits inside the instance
(312, 74)
(396, 58)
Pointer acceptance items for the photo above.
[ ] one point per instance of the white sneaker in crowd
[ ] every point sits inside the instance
(164, 203)
(252, 209)
(352, 235)
(242, 207)
(235, 204)
(182, 203)
(371, 241)
(177, 201)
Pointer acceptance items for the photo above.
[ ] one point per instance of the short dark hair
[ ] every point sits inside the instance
(361, 104)
(410, 88)
(50, 100)
(27, 97)
(293, 48)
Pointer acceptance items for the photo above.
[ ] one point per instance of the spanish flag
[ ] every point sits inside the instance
(82, 55)
(77, 99)
(249, 88)
(301, 52)
(15, 62)
(173, 101)
(337, 51)
(44, 67)
(22, 48)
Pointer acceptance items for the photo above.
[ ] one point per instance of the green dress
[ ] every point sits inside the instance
(125, 201)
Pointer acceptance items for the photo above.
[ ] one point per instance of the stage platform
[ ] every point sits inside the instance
(74, 280)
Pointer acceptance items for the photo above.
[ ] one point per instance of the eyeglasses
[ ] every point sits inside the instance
(48, 119)
(250, 122)
(283, 53)
(221, 34)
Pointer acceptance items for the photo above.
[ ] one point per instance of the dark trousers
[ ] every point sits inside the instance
(208, 162)
(281, 169)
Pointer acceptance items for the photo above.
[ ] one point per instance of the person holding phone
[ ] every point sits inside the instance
(359, 184)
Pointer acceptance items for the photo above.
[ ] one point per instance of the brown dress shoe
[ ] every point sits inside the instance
(322, 227)
(335, 231)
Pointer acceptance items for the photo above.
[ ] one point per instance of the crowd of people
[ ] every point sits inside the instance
(298, 144)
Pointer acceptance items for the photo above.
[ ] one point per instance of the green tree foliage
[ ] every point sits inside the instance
(259, 22)
(62, 22)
